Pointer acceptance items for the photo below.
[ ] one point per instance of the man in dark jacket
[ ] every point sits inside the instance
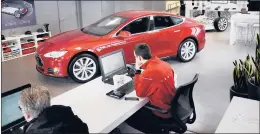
(43, 118)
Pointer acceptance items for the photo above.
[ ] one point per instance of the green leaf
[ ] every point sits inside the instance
(235, 63)
(241, 62)
(257, 39)
(247, 57)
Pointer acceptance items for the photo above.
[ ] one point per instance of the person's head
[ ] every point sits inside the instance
(142, 53)
(33, 101)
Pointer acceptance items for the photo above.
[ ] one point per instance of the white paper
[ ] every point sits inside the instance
(120, 80)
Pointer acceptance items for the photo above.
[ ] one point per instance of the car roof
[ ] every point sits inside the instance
(139, 13)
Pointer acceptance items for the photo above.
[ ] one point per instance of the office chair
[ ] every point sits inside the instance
(182, 107)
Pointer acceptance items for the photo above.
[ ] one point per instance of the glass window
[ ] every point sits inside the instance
(177, 20)
(105, 25)
(137, 26)
(162, 22)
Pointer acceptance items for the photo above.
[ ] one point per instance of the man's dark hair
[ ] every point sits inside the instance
(143, 50)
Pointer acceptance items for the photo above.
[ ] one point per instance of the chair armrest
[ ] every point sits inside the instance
(157, 109)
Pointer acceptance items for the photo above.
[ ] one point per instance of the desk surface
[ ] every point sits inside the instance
(101, 113)
(242, 116)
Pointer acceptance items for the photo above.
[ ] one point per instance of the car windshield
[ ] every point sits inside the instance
(104, 26)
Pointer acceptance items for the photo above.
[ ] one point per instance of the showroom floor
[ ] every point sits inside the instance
(211, 93)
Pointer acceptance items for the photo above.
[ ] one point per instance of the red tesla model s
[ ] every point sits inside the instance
(75, 53)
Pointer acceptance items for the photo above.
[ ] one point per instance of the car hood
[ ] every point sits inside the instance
(66, 41)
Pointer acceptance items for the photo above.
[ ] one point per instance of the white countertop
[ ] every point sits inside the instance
(246, 17)
(101, 113)
(242, 116)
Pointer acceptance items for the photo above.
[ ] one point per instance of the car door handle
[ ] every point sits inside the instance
(154, 31)
(176, 31)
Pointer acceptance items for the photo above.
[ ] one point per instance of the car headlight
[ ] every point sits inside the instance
(55, 54)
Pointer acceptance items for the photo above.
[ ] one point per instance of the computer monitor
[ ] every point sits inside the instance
(12, 116)
(112, 64)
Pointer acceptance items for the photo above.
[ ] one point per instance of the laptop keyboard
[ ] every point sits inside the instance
(126, 88)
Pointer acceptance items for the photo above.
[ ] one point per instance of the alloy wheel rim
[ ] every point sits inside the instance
(84, 68)
(222, 24)
(188, 50)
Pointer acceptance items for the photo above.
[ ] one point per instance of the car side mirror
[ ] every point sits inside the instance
(124, 34)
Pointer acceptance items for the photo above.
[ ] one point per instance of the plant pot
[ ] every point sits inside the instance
(253, 90)
(234, 93)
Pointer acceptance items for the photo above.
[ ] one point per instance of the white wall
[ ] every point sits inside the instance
(67, 15)
(158, 5)
(94, 10)
(130, 5)
(91, 11)
(107, 7)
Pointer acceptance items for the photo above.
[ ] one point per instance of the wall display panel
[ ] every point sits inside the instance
(17, 13)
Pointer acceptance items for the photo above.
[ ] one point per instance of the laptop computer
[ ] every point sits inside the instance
(12, 116)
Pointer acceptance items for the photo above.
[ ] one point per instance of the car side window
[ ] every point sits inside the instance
(177, 20)
(162, 22)
(137, 26)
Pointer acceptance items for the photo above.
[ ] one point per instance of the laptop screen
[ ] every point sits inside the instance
(10, 109)
(11, 114)
(112, 63)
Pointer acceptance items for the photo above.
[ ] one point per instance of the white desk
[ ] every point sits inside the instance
(252, 18)
(101, 113)
(242, 116)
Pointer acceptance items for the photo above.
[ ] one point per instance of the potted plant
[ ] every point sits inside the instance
(254, 80)
(241, 73)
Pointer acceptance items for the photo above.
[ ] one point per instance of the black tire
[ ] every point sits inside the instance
(217, 24)
(75, 59)
(182, 59)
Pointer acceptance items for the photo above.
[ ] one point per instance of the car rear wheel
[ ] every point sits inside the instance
(83, 68)
(221, 24)
(187, 50)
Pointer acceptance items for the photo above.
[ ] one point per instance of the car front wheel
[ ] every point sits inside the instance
(187, 50)
(83, 68)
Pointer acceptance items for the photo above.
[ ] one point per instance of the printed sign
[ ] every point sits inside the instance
(17, 13)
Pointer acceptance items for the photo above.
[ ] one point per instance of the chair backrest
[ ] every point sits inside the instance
(182, 105)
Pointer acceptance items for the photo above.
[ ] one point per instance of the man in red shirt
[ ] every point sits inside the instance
(155, 81)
